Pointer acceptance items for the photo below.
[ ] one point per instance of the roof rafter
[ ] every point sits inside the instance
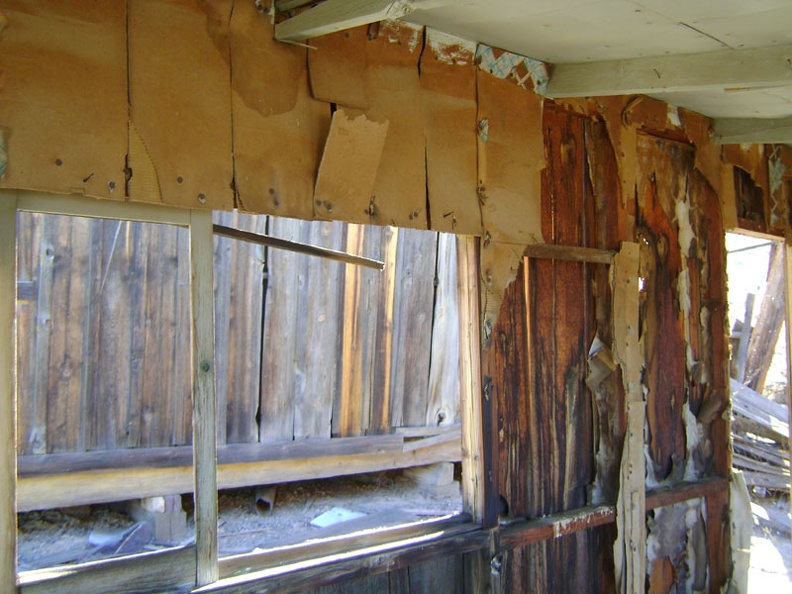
(337, 15)
(764, 67)
(753, 130)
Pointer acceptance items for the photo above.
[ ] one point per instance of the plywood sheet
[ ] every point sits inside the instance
(63, 109)
(279, 128)
(348, 171)
(511, 160)
(181, 112)
(338, 68)
(448, 80)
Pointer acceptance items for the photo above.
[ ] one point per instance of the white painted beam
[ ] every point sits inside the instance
(337, 15)
(753, 130)
(721, 70)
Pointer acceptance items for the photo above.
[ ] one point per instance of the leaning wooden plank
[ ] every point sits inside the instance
(759, 407)
(174, 457)
(8, 523)
(80, 488)
(204, 398)
(767, 480)
(64, 103)
(297, 247)
(181, 118)
(171, 570)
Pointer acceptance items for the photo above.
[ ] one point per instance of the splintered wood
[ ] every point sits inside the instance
(630, 548)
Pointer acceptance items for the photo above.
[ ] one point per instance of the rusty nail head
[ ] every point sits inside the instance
(202, 198)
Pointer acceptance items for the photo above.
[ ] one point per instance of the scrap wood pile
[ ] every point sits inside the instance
(760, 430)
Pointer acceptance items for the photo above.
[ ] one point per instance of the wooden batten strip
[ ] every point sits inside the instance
(204, 397)
(297, 247)
(569, 253)
(630, 546)
(8, 521)
(80, 206)
(788, 299)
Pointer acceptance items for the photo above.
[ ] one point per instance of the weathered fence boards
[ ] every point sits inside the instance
(305, 347)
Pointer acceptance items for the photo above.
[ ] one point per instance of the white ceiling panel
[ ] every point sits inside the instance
(736, 104)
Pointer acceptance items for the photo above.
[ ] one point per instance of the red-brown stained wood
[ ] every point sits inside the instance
(662, 323)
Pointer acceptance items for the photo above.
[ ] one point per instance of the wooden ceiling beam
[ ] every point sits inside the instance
(753, 130)
(756, 68)
(337, 15)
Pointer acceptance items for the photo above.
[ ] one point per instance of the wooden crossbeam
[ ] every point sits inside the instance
(721, 70)
(337, 15)
(754, 130)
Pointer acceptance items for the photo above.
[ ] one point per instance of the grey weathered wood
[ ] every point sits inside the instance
(171, 570)
(719, 70)
(754, 407)
(745, 337)
(8, 522)
(204, 403)
(297, 247)
(444, 378)
(753, 130)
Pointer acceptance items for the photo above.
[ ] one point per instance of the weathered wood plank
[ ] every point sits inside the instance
(8, 521)
(416, 264)
(100, 486)
(280, 318)
(204, 398)
(443, 396)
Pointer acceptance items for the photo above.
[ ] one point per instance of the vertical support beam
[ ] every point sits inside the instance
(630, 546)
(8, 522)
(470, 379)
(204, 397)
(788, 302)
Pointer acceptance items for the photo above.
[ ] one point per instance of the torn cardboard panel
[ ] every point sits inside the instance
(181, 112)
(511, 161)
(279, 128)
(338, 68)
(64, 103)
(143, 180)
(394, 89)
(448, 80)
(500, 263)
(348, 170)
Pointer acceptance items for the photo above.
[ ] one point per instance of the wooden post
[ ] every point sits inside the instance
(745, 337)
(630, 546)
(788, 301)
(470, 379)
(204, 398)
(8, 521)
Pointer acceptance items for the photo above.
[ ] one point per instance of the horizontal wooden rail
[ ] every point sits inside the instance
(297, 247)
(570, 253)
(97, 486)
(532, 531)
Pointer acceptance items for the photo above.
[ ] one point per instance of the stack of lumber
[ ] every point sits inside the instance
(760, 430)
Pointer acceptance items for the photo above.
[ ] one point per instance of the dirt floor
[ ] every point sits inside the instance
(74, 535)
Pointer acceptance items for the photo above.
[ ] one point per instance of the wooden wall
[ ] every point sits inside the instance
(387, 125)
(104, 334)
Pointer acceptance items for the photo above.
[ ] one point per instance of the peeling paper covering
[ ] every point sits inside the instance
(348, 170)
(777, 172)
(499, 266)
(338, 68)
(503, 64)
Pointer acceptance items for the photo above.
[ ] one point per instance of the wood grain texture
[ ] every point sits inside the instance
(8, 521)
(204, 396)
